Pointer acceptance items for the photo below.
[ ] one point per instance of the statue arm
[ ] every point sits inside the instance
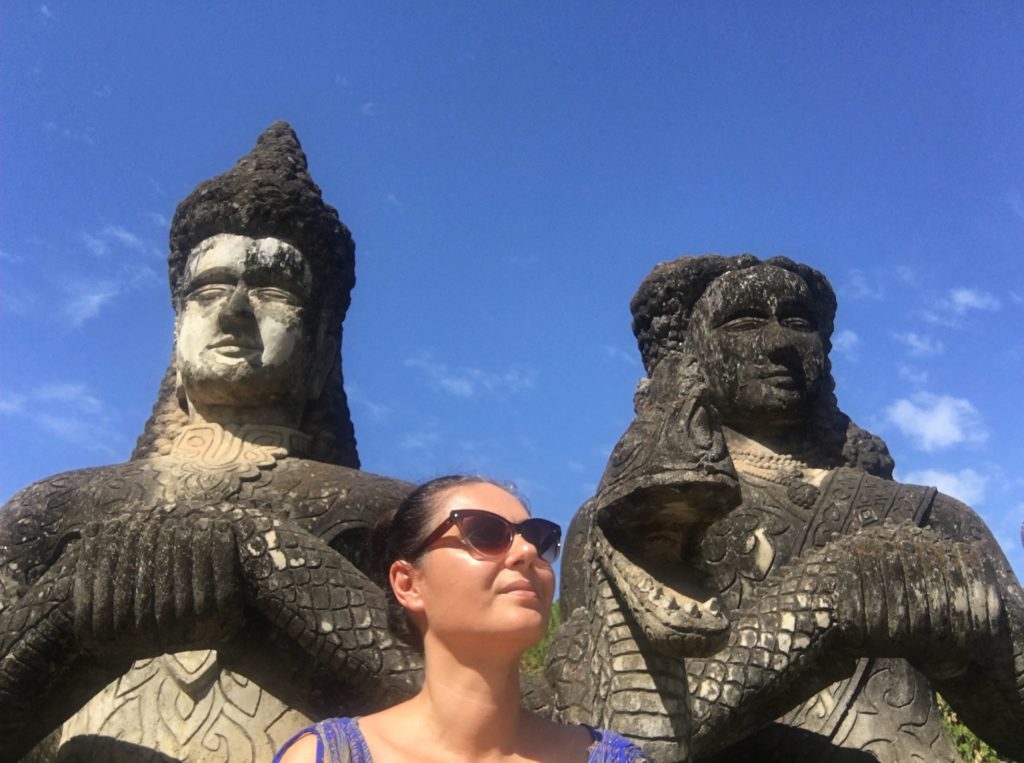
(886, 591)
(137, 584)
(30, 526)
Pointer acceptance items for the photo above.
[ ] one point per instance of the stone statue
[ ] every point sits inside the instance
(207, 598)
(747, 576)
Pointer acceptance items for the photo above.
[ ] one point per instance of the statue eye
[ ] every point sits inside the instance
(210, 292)
(743, 323)
(273, 294)
(797, 323)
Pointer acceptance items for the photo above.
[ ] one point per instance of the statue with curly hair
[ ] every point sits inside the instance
(748, 582)
(210, 596)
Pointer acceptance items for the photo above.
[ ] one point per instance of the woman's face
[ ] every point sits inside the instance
(464, 595)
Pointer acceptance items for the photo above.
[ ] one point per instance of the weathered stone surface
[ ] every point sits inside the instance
(202, 601)
(769, 570)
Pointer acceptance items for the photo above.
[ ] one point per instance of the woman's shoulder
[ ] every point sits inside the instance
(610, 747)
(335, 739)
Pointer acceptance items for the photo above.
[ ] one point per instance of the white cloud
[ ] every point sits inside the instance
(1017, 203)
(905, 274)
(963, 300)
(10, 404)
(394, 202)
(468, 382)
(75, 395)
(859, 287)
(73, 134)
(45, 12)
(68, 411)
(94, 244)
(158, 219)
(124, 237)
(100, 243)
(376, 410)
(86, 295)
(920, 345)
(966, 485)
(845, 343)
(86, 300)
(911, 374)
(420, 441)
(621, 356)
(937, 421)
(369, 109)
(6, 256)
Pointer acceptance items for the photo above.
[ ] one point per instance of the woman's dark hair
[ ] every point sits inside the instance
(399, 535)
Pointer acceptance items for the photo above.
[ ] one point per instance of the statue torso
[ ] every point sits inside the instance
(188, 705)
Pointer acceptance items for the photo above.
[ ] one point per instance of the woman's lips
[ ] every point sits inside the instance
(521, 589)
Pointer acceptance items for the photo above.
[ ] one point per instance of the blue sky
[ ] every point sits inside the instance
(511, 172)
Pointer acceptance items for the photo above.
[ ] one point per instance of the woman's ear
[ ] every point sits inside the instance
(404, 579)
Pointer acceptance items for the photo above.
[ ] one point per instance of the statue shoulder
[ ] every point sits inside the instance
(309, 477)
(35, 518)
(330, 500)
(954, 519)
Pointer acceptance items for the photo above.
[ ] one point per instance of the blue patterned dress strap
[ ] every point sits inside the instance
(609, 747)
(338, 740)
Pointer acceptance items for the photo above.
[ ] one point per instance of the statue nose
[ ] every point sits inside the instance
(776, 338)
(237, 305)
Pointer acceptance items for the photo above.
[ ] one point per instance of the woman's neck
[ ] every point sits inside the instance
(471, 702)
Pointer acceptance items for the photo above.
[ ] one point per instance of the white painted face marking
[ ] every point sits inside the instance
(241, 340)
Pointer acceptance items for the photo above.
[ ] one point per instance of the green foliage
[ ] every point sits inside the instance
(533, 660)
(971, 749)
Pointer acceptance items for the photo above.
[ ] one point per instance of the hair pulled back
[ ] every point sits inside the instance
(399, 535)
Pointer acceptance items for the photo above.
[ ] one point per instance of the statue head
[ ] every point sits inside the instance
(761, 331)
(757, 334)
(244, 345)
(260, 270)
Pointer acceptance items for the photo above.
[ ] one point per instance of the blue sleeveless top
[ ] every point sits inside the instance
(339, 740)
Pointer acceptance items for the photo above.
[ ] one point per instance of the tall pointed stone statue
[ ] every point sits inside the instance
(748, 581)
(207, 598)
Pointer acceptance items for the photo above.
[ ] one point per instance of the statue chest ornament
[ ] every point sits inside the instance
(216, 462)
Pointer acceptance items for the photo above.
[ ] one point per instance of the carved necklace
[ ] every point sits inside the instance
(768, 461)
(780, 469)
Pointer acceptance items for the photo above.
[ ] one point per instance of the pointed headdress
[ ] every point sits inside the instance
(269, 192)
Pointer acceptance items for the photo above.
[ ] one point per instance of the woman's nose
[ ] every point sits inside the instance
(521, 551)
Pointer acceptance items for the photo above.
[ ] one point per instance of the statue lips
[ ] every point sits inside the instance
(781, 377)
(235, 347)
(778, 374)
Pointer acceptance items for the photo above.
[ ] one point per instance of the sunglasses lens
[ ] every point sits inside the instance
(490, 534)
(487, 533)
(545, 536)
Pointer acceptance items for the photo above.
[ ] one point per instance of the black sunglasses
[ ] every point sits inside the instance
(492, 535)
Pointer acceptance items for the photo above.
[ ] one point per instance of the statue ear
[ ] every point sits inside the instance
(179, 382)
(325, 357)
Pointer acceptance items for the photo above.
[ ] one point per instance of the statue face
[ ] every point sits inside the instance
(242, 341)
(756, 336)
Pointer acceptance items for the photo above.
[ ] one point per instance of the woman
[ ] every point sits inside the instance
(471, 584)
